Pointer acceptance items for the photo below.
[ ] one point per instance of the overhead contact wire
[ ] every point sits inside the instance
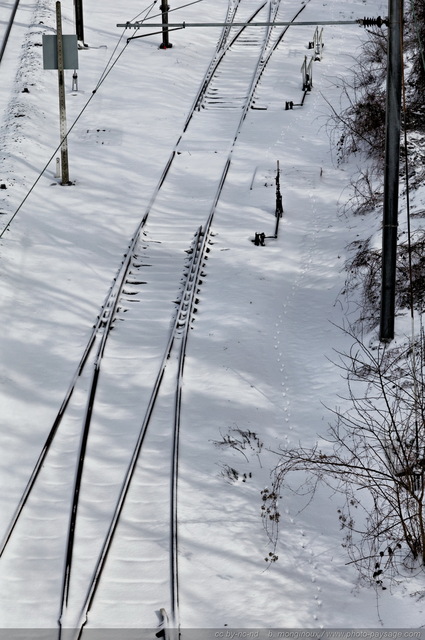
(105, 73)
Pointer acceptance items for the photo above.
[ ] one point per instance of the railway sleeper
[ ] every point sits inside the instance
(135, 282)
(129, 293)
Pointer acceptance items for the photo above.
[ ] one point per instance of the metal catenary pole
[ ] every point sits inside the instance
(165, 39)
(79, 22)
(62, 106)
(391, 176)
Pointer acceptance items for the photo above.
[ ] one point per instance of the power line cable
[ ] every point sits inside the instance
(147, 11)
(409, 252)
(189, 4)
(105, 73)
(418, 33)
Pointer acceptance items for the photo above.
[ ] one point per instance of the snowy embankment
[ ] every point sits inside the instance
(260, 355)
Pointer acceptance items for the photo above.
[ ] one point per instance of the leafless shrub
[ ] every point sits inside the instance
(374, 457)
(363, 283)
(363, 279)
(241, 440)
(359, 126)
(246, 443)
(414, 46)
(366, 191)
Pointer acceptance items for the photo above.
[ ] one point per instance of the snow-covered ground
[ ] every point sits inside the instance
(260, 354)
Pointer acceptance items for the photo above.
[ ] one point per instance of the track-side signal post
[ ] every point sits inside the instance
(307, 74)
(317, 44)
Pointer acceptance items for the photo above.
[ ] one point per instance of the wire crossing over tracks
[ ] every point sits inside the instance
(285, 23)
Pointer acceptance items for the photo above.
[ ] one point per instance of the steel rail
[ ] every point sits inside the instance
(182, 319)
(253, 84)
(91, 592)
(205, 235)
(276, 44)
(97, 328)
(202, 239)
(100, 324)
(215, 64)
(202, 249)
(231, 12)
(107, 325)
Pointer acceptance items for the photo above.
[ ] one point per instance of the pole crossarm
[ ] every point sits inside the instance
(363, 22)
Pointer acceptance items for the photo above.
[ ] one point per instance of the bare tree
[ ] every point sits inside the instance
(363, 278)
(374, 456)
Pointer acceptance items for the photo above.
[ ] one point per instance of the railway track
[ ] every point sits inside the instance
(106, 469)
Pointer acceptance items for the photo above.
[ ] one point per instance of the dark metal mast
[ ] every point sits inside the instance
(165, 39)
(391, 177)
(79, 23)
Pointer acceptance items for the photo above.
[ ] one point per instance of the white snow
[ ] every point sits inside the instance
(260, 352)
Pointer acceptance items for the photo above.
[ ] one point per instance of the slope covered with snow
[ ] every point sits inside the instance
(260, 353)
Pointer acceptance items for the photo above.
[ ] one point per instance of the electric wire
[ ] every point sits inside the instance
(86, 427)
(90, 595)
(105, 73)
(409, 248)
(418, 33)
(422, 55)
(58, 419)
(8, 29)
(68, 395)
(149, 9)
(103, 77)
(408, 214)
(154, 33)
(189, 4)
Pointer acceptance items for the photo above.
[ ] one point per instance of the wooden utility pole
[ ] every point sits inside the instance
(165, 40)
(391, 177)
(62, 104)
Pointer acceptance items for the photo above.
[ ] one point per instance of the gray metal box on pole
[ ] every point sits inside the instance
(50, 51)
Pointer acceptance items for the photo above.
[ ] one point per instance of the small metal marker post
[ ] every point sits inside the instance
(62, 104)
(75, 80)
(307, 74)
(318, 44)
